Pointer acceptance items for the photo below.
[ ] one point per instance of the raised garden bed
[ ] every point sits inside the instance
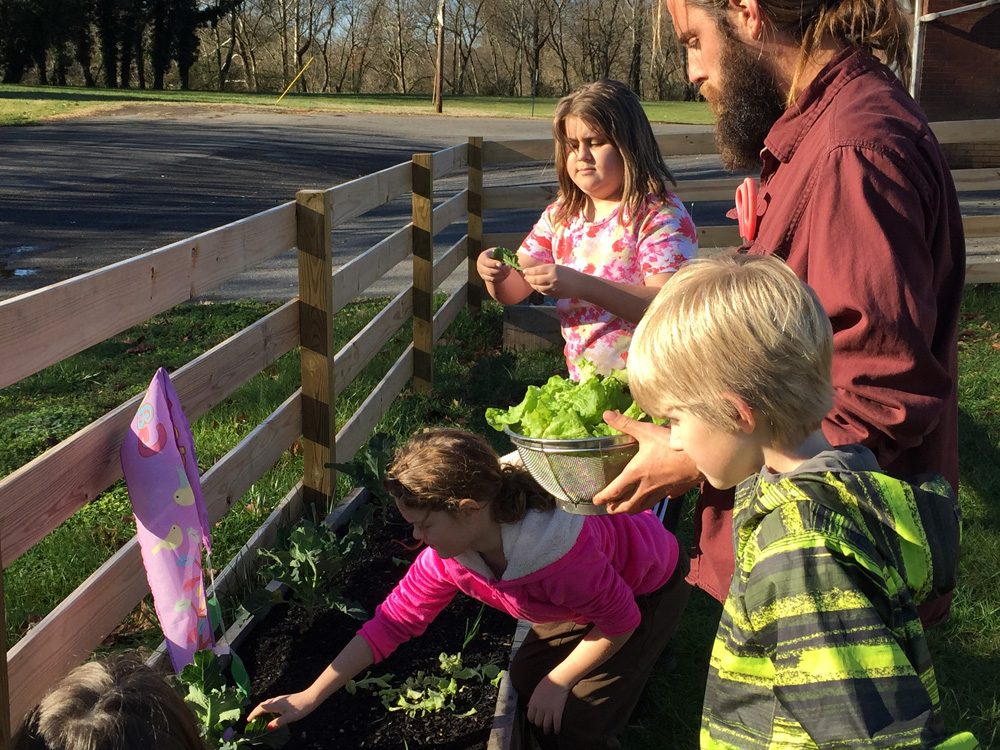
(284, 654)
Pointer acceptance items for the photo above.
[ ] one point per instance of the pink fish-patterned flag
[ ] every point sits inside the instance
(161, 472)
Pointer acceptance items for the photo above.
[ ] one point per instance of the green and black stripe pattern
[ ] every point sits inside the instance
(820, 644)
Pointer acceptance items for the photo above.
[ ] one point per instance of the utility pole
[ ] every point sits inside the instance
(439, 66)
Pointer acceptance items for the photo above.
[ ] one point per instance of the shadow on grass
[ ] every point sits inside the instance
(84, 95)
(978, 461)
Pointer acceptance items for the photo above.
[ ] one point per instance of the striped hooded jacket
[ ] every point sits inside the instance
(820, 644)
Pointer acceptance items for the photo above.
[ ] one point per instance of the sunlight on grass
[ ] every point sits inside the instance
(26, 105)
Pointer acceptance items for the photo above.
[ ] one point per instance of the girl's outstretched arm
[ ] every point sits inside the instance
(545, 709)
(353, 658)
(503, 283)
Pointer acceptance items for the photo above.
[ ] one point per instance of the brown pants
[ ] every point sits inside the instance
(599, 706)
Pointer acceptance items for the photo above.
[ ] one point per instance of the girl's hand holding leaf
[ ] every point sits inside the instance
(288, 707)
(507, 257)
(492, 270)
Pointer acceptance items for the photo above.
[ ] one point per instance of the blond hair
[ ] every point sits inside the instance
(111, 704)
(738, 324)
(439, 468)
(615, 112)
(878, 27)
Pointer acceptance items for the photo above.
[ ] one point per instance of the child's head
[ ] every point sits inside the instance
(741, 325)
(110, 704)
(439, 468)
(610, 109)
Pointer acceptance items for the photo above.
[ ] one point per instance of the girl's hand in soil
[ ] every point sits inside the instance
(288, 707)
(354, 657)
(545, 709)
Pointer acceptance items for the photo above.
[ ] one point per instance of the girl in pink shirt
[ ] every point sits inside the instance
(605, 592)
(613, 237)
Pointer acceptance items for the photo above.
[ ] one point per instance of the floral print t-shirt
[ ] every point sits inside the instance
(658, 239)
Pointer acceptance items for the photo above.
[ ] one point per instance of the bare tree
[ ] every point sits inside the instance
(351, 35)
(562, 9)
(400, 45)
(469, 19)
(602, 38)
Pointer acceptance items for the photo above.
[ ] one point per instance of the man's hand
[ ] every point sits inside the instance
(655, 472)
(289, 707)
(545, 709)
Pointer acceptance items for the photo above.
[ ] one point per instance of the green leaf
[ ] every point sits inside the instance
(204, 672)
(562, 409)
(239, 672)
(215, 616)
(507, 257)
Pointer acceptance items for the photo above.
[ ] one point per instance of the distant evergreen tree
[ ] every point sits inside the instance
(24, 39)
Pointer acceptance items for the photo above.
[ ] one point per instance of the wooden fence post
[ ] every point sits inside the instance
(319, 429)
(475, 227)
(423, 272)
(5, 727)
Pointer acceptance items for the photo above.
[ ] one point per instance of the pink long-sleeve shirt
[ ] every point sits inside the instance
(560, 567)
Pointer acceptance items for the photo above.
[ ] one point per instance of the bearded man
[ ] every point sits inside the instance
(857, 198)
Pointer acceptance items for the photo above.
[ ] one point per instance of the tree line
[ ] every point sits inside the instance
(491, 47)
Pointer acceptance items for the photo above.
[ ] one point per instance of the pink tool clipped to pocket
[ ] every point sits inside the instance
(746, 209)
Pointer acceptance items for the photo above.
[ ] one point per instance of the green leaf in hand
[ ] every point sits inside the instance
(507, 257)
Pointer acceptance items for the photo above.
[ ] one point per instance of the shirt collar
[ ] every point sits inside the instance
(787, 133)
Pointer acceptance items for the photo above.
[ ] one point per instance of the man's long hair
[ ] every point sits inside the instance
(878, 27)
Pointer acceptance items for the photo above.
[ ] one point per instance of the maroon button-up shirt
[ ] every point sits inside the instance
(857, 198)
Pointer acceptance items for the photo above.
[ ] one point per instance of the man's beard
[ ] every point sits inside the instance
(747, 103)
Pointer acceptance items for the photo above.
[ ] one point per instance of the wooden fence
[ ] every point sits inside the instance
(44, 327)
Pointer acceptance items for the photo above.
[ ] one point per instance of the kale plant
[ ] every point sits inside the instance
(368, 467)
(305, 558)
(220, 707)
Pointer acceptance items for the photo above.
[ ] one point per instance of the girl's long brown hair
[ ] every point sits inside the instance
(611, 108)
(439, 468)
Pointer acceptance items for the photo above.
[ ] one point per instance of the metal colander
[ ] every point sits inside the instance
(573, 471)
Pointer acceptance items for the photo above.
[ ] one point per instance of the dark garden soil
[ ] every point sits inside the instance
(283, 656)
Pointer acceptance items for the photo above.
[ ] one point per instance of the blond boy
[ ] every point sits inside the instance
(820, 643)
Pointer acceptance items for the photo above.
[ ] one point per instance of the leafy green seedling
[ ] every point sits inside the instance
(219, 706)
(471, 631)
(424, 693)
(507, 257)
(368, 467)
(305, 558)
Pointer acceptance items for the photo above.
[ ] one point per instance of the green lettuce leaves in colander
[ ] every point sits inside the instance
(507, 257)
(563, 410)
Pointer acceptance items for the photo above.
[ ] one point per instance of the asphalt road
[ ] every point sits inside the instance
(80, 193)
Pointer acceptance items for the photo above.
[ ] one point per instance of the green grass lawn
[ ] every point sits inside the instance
(471, 373)
(29, 105)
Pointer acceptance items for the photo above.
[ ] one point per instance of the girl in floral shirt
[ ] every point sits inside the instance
(613, 237)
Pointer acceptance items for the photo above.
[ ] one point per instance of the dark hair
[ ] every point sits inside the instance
(878, 27)
(117, 703)
(439, 468)
(611, 108)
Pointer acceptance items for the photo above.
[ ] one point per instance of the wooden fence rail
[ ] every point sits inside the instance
(45, 327)
(40, 495)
